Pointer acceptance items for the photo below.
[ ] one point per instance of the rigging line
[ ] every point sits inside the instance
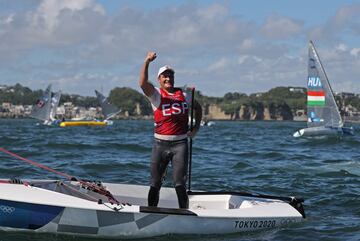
(95, 188)
(78, 191)
(91, 186)
(35, 163)
(93, 198)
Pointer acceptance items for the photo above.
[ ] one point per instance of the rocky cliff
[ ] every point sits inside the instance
(246, 112)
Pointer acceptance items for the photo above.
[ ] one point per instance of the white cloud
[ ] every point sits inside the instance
(246, 58)
(355, 52)
(246, 45)
(77, 45)
(88, 82)
(346, 21)
(342, 47)
(277, 27)
(9, 19)
(346, 14)
(52, 23)
(213, 12)
(49, 10)
(219, 65)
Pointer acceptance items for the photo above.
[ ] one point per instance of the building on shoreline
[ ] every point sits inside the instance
(67, 111)
(211, 112)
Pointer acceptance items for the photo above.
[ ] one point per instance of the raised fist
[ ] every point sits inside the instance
(150, 56)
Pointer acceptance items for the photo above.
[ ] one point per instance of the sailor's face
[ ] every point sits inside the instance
(166, 80)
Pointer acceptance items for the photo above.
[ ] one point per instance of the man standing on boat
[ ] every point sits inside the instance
(171, 117)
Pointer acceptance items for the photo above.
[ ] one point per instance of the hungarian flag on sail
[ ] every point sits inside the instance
(316, 98)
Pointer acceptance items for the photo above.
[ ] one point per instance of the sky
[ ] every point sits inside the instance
(218, 47)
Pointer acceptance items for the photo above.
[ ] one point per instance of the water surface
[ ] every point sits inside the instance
(260, 157)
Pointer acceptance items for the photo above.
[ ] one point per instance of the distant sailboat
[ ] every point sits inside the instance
(45, 107)
(41, 109)
(324, 118)
(108, 111)
(55, 100)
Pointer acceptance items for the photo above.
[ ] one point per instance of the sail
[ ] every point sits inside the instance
(108, 110)
(321, 106)
(41, 109)
(55, 100)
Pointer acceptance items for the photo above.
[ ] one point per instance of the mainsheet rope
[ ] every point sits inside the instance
(89, 185)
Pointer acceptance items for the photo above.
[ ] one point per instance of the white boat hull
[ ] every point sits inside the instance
(25, 207)
(318, 131)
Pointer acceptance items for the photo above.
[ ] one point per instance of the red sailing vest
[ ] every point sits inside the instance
(171, 117)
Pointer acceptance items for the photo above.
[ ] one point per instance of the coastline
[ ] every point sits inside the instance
(353, 121)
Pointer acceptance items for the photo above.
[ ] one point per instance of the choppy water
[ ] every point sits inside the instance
(258, 157)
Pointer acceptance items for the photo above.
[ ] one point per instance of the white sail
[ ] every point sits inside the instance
(55, 100)
(108, 110)
(321, 105)
(41, 109)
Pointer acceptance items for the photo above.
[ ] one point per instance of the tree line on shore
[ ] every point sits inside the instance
(286, 98)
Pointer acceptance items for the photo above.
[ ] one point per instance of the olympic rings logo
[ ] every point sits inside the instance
(7, 209)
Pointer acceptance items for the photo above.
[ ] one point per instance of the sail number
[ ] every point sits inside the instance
(314, 82)
(255, 224)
